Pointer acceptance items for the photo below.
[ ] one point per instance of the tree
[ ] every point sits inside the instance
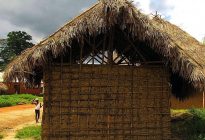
(16, 42)
(4, 53)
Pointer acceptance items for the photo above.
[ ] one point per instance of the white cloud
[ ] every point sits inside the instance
(143, 5)
(7, 27)
(39, 18)
(187, 14)
(190, 16)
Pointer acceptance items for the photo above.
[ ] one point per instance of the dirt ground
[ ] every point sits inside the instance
(14, 118)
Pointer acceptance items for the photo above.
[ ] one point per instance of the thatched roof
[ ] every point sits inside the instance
(183, 53)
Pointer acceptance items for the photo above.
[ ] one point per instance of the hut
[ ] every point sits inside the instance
(16, 87)
(109, 73)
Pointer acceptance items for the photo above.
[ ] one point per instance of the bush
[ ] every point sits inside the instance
(11, 100)
(192, 128)
(29, 132)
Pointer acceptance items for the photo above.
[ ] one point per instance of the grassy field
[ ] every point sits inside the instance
(33, 132)
(11, 100)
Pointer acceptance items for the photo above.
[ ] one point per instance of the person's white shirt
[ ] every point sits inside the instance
(38, 106)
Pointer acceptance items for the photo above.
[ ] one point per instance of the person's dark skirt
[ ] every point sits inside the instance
(37, 112)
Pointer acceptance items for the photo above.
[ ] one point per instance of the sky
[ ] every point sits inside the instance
(40, 18)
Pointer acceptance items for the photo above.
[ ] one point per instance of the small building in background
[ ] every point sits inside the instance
(17, 88)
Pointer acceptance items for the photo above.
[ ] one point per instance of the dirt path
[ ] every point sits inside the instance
(14, 118)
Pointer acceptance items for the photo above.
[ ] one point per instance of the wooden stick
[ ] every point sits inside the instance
(70, 55)
(110, 47)
(104, 45)
(81, 53)
(61, 92)
(134, 47)
(49, 97)
(203, 99)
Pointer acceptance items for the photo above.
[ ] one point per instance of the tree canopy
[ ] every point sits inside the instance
(16, 42)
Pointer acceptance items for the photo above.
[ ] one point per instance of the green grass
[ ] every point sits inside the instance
(178, 111)
(192, 127)
(33, 132)
(12, 100)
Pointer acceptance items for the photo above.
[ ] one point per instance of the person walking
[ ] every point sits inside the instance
(37, 109)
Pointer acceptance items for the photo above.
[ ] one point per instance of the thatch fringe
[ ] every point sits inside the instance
(184, 53)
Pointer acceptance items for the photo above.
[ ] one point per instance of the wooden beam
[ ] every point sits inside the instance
(101, 59)
(90, 44)
(94, 48)
(93, 56)
(61, 92)
(49, 96)
(110, 47)
(121, 60)
(104, 45)
(70, 55)
(81, 53)
(125, 49)
(133, 45)
(97, 60)
(89, 59)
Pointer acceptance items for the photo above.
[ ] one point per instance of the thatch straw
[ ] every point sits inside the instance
(184, 53)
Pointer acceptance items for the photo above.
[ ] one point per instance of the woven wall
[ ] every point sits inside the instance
(106, 103)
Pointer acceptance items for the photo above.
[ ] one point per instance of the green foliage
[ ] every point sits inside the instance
(192, 128)
(11, 100)
(17, 41)
(33, 132)
(7, 55)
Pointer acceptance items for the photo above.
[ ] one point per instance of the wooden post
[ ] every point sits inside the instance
(49, 97)
(61, 92)
(81, 55)
(70, 56)
(103, 51)
(203, 99)
(70, 90)
(93, 52)
(110, 47)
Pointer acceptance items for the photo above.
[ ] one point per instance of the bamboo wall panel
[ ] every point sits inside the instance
(106, 103)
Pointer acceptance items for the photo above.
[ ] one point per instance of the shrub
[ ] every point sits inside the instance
(11, 100)
(192, 128)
